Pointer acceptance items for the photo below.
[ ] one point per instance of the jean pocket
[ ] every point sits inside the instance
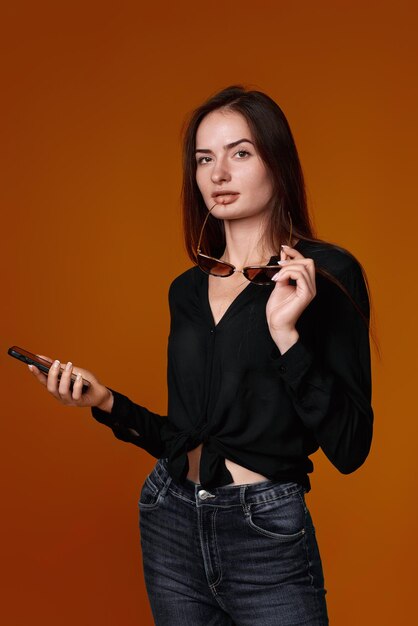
(151, 495)
(282, 518)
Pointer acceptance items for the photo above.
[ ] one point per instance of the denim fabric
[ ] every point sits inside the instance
(243, 555)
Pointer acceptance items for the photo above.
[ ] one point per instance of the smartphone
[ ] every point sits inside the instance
(42, 364)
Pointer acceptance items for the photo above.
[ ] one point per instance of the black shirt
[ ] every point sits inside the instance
(231, 388)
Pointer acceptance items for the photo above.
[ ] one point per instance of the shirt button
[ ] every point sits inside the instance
(282, 369)
(212, 331)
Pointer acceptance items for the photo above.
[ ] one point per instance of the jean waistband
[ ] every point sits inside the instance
(227, 495)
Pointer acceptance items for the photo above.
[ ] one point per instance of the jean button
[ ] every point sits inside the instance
(203, 494)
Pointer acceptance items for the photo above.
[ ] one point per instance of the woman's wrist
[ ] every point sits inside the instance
(285, 339)
(107, 403)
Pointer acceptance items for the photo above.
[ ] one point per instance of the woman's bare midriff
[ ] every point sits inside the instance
(241, 475)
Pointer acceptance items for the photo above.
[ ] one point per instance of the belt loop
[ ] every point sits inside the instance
(163, 475)
(166, 486)
(160, 470)
(242, 498)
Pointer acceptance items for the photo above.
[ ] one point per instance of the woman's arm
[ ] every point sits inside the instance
(129, 421)
(132, 422)
(330, 385)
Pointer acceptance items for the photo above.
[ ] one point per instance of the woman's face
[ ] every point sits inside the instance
(227, 161)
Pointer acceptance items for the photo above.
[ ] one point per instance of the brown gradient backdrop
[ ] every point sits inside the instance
(93, 98)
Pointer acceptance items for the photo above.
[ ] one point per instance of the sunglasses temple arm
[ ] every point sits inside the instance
(201, 232)
(206, 218)
(290, 230)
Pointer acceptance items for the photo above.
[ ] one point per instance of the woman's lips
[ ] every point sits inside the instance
(226, 198)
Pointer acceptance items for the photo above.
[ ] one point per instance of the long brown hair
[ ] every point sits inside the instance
(276, 147)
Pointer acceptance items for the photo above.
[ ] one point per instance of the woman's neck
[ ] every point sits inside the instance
(244, 243)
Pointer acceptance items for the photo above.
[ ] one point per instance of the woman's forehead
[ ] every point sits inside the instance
(222, 125)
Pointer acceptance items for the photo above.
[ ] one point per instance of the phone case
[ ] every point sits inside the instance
(31, 359)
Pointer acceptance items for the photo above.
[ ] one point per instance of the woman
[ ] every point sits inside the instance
(268, 359)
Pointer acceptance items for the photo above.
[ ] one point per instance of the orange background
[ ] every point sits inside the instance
(93, 98)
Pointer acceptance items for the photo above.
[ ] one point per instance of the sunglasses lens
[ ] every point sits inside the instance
(261, 275)
(213, 266)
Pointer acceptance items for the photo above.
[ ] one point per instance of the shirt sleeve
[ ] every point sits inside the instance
(133, 423)
(330, 381)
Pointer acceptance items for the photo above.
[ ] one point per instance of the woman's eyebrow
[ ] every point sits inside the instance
(227, 147)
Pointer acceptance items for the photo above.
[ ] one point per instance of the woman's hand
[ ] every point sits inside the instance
(97, 394)
(287, 302)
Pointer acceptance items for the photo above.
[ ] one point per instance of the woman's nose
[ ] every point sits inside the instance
(220, 171)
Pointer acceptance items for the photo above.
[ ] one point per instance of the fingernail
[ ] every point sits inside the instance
(56, 363)
(275, 277)
(68, 366)
(30, 367)
(282, 262)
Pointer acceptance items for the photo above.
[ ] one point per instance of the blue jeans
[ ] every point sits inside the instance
(243, 555)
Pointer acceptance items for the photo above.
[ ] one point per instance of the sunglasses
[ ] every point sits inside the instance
(257, 274)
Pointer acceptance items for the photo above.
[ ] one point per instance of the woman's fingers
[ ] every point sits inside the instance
(65, 393)
(308, 263)
(287, 301)
(300, 275)
(59, 385)
(64, 383)
(296, 266)
(295, 273)
(292, 252)
(38, 374)
(52, 381)
(283, 255)
(303, 265)
(77, 388)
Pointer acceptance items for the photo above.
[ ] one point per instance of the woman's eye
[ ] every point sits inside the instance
(201, 160)
(242, 152)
